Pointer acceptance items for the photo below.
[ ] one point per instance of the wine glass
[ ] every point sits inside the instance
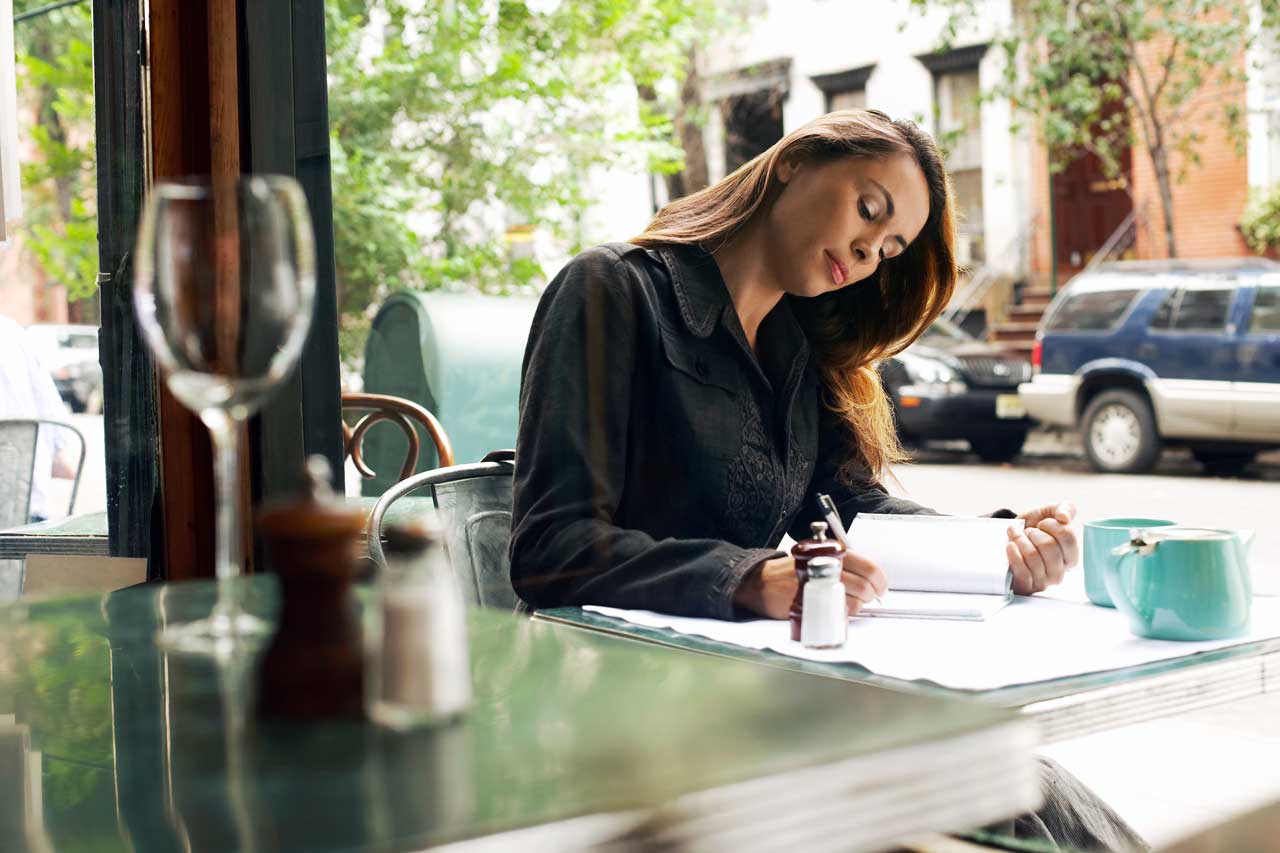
(223, 292)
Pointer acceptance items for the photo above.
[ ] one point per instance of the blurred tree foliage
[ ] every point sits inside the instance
(453, 121)
(1260, 223)
(55, 79)
(1104, 76)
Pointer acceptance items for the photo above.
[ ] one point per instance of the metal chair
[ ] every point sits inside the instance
(399, 411)
(18, 441)
(474, 501)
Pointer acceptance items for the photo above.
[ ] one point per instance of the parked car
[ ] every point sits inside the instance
(949, 385)
(70, 354)
(1139, 355)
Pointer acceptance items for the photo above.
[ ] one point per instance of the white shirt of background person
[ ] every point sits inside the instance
(27, 391)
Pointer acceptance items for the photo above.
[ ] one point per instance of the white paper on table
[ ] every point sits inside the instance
(909, 604)
(1035, 638)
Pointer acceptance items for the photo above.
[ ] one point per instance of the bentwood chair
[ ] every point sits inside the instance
(397, 410)
(474, 502)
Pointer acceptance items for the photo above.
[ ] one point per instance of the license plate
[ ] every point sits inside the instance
(1009, 406)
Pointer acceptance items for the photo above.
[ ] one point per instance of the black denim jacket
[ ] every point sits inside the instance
(658, 461)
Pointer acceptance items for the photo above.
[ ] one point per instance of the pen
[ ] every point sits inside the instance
(832, 517)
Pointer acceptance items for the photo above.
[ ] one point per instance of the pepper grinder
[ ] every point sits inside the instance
(804, 551)
(314, 667)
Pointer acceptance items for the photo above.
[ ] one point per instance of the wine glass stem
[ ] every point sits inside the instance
(227, 452)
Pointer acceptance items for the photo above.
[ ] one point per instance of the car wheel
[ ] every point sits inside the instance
(998, 448)
(1120, 433)
(1223, 463)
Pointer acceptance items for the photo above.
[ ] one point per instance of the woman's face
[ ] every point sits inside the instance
(834, 222)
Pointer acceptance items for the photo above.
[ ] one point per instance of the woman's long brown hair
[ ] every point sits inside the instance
(854, 328)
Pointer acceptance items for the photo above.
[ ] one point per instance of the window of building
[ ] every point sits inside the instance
(960, 127)
(752, 123)
(750, 102)
(958, 122)
(845, 90)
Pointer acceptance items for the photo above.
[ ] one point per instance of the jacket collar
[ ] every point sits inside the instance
(700, 289)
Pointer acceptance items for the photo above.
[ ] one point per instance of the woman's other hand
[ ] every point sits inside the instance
(1044, 549)
(770, 589)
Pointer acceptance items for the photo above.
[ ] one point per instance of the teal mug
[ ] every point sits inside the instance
(1183, 583)
(1100, 538)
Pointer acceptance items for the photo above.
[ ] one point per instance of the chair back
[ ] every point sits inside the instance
(19, 438)
(474, 502)
(17, 469)
(403, 413)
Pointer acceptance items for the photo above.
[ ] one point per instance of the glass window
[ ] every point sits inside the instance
(960, 132)
(49, 267)
(1265, 317)
(1203, 310)
(853, 99)
(1093, 311)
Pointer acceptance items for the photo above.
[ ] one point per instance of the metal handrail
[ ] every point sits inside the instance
(981, 282)
(1129, 223)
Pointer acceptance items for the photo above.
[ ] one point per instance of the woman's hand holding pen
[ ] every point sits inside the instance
(1044, 549)
(769, 589)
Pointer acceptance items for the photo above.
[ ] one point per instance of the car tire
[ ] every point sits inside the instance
(998, 448)
(1223, 463)
(1119, 432)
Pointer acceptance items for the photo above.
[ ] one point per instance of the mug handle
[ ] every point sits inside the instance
(1112, 578)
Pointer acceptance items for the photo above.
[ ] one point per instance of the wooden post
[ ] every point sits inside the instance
(195, 121)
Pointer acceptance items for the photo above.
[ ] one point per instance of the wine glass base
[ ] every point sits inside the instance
(218, 635)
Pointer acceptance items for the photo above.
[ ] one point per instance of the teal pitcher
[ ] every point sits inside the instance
(1183, 583)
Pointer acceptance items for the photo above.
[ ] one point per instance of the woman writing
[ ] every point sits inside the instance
(685, 396)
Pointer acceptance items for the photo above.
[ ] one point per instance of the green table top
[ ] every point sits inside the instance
(138, 749)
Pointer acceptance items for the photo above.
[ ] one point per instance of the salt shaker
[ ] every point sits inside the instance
(803, 551)
(825, 623)
(419, 671)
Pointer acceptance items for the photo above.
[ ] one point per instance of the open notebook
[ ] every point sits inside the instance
(939, 567)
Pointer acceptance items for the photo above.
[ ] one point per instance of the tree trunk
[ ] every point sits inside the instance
(1160, 160)
(694, 176)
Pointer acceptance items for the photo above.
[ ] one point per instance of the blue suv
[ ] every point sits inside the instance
(1142, 354)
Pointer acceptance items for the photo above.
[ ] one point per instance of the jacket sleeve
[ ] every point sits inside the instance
(571, 463)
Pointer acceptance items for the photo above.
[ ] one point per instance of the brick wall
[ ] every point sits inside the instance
(1208, 203)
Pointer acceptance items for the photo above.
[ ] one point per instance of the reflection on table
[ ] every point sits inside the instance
(119, 746)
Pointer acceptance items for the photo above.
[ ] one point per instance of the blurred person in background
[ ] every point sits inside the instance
(27, 391)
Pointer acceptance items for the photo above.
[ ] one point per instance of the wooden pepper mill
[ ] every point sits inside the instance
(315, 665)
(804, 551)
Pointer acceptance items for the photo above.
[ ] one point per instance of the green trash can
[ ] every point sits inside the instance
(457, 354)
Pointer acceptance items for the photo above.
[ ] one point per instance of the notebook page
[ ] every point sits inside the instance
(930, 553)
(906, 604)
